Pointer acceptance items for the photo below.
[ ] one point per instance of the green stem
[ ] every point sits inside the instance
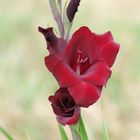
(82, 129)
(60, 6)
(74, 133)
(79, 131)
(62, 132)
(57, 16)
(68, 31)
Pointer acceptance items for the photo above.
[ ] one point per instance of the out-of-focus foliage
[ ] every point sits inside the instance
(25, 83)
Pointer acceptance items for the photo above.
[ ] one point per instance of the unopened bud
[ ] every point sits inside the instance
(72, 9)
(49, 35)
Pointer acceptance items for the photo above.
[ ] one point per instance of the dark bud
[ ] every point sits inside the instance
(65, 108)
(72, 9)
(49, 35)
(62, 103)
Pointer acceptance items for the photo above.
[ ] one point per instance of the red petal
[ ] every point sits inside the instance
(97, 74)
(109, 52)
(102, 39)
(70, 120)
(85, 94)
(65, 75)
(51, 61)
(82, 40)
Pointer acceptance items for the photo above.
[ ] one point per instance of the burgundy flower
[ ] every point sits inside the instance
(64, 107)
(83, 64)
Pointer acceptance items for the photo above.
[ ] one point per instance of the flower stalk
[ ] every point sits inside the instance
(81, 65)
(74, 133)
(62, 132)
(78, 131)
(57, 16)
(60, 5)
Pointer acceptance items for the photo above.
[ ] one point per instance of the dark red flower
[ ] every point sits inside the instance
(64, 107)
(83, 64)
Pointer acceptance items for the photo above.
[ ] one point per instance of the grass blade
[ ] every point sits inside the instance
(6, 134)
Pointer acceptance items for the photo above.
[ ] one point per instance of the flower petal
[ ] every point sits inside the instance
(70, 120)
(85, 94)
(65, 76)
(109, 52)
(97, 74)
(102, 39)
(82, 40)
(51, 61)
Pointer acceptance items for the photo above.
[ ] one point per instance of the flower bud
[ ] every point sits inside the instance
(48, 34)
(72, 9)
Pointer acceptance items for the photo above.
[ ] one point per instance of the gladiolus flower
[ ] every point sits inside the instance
(83, 64)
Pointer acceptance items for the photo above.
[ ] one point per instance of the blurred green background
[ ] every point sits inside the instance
(25, 83)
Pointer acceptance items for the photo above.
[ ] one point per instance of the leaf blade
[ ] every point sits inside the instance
(6, 134)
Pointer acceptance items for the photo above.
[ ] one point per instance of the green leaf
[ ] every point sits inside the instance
(6, 134)
(62, 132)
